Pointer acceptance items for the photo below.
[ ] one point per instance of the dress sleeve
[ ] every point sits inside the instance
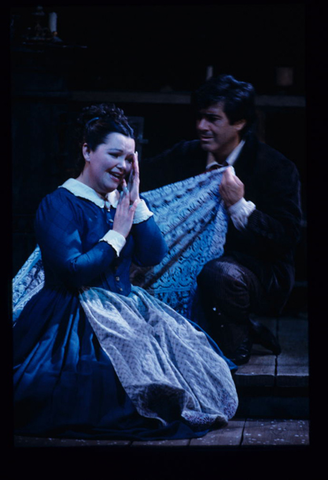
(59, 227)
(149, 245)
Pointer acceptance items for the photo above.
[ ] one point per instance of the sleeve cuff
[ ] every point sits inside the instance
(115, 240)
(142, 212)
(240, 212)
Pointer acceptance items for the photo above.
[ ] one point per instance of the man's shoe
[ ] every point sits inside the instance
(242, 353)
(234, 340)
(263, 336)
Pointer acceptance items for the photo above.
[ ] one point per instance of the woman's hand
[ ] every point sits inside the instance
(125, 210)
(134, 180)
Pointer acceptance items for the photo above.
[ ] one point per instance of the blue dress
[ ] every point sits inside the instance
(95, 357)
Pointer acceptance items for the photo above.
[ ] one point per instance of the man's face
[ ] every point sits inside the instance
(215, 132)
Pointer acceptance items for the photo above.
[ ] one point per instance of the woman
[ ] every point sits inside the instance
(93, 356)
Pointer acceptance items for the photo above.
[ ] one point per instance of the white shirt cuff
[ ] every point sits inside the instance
(240, 212)
(115, 240)
(142, 212)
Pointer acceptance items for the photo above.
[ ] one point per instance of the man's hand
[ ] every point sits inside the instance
(231, 188)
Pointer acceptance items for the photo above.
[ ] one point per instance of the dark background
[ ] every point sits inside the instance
(148, 60)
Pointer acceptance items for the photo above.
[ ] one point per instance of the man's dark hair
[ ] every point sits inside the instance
(238, 98)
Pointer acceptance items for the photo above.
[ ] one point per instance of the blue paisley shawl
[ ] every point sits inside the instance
(192, 218)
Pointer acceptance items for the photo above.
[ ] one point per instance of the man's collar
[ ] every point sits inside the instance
(235, 152)
(230, 160)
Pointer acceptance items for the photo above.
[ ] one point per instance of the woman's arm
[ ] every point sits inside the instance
(150, 246)
(59, 227)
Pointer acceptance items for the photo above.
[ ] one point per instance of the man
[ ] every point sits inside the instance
(262, 196)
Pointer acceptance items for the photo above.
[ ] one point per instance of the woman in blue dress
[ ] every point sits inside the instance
(95, 357)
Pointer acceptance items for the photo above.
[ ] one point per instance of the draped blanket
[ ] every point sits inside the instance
(191, 216)
(28, 281)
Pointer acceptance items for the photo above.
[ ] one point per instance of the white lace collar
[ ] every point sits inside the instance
(83, 191)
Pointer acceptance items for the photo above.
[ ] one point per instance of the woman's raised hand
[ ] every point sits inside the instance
(134, 180)
(128, 201)
(125, 210)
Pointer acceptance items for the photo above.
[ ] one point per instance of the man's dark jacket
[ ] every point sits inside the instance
(266, 246)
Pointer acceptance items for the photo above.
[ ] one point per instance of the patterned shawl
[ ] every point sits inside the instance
(193, 220)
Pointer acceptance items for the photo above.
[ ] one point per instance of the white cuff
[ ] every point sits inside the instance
(142, 212)
(115, 240)
(240, 212)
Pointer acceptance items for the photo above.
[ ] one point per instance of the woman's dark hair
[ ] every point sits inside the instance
(238, 98)
(95, 123)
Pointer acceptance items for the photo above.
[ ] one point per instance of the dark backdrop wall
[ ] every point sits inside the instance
(148, 60)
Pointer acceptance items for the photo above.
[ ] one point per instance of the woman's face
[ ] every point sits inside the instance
(109, 163)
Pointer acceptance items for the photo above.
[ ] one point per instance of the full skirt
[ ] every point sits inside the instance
(97, 364)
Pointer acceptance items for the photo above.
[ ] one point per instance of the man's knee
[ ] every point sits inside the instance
(220, 277)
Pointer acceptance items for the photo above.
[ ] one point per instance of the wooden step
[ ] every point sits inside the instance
(246, 447)
(238, 432)
(277, 386)
(290, 368)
